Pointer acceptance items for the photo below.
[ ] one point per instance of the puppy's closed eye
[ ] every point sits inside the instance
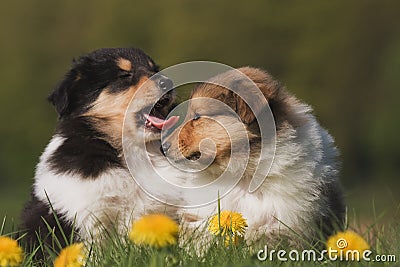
(125, 74)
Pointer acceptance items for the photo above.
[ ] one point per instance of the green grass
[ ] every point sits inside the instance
(117, 250)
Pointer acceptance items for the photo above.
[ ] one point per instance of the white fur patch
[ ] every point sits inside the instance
(291, 195)
(110, 200)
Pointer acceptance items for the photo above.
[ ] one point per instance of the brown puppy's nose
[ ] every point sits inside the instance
(164, 148)
(194, 156)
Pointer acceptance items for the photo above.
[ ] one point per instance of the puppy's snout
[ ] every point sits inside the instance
(164, 148)
(165, 84)
(194, 156)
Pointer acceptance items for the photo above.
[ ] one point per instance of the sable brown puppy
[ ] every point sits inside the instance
(301, 193)
(82, 179)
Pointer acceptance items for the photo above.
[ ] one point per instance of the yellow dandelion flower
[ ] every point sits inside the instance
(156, 230)
(229, 224)
(71, 256)
(11, 253)
(344, 242)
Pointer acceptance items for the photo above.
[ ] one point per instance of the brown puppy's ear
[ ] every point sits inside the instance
(258, 82)
(248, 100)
(243, 110)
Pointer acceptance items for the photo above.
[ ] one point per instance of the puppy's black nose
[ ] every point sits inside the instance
(165, 84)
(164, 147)
(194, 156)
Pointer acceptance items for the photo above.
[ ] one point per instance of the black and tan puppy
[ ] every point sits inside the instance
(82, 171)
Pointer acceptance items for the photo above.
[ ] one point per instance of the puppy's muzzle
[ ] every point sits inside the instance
(163, 82)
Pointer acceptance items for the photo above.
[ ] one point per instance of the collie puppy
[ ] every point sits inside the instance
(82, 182)
(301, 194)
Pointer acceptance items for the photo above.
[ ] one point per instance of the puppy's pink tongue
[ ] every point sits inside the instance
(160, 123)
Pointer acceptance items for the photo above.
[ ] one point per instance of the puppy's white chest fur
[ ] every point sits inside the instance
(109, 200)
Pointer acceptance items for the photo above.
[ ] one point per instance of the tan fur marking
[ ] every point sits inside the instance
(193, 132)
(78, 77)
(108, 112)
(124, 64)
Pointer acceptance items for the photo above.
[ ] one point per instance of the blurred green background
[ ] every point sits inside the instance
(341, 57)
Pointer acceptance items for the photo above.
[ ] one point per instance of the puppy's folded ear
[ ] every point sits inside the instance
(60, 97)
(243, 110)
(253, 94)
(248, 100)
